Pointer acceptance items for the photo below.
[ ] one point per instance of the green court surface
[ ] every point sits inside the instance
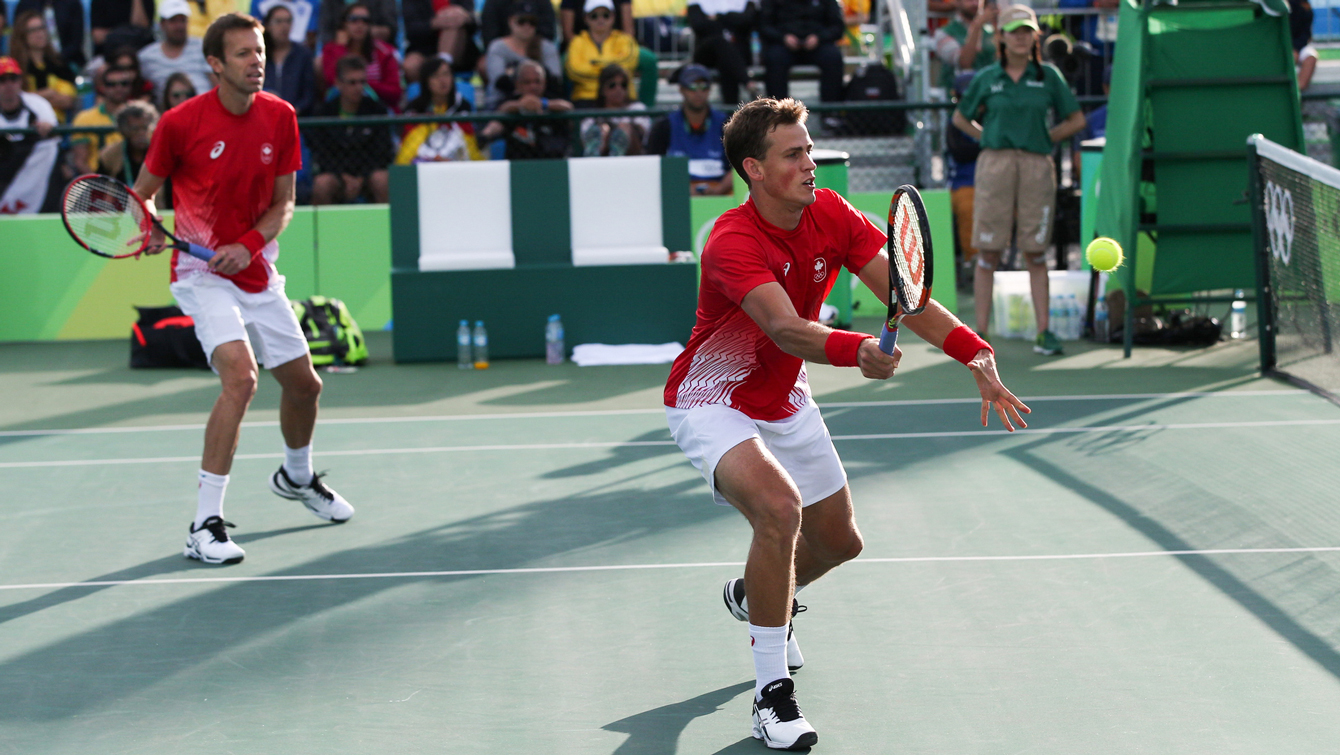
(1153, 567)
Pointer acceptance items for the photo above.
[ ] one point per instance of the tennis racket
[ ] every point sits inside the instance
(110, 220)
(909, 262)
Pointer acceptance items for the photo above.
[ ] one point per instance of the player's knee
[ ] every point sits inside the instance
(988, 261)
(854, 545)
(1035, 259)
(778, 517)
(241, 383)
(308, 388)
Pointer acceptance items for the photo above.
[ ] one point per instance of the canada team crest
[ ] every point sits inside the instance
(267, 153)
(820, 269)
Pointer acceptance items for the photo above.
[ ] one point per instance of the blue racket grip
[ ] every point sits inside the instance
(888, 339)
(204, 253)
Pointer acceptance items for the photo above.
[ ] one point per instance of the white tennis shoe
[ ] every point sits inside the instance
(210, 543)
(778, 720)
(738, 605)
(318, 498)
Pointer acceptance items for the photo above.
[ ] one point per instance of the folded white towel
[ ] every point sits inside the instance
(592, 354)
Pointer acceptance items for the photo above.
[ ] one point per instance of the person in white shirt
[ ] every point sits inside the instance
(177, 52)
(26, 160)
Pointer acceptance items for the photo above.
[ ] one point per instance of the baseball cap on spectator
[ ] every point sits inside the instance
(173, 8)
(522, 8)
(590, 5)
(1011, 18)
(9, 65)
(692, 74)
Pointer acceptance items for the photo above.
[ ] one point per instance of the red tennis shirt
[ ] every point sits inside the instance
(223, 169)
(729, 359)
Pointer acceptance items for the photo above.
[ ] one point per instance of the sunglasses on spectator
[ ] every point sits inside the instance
(179, 94)
(698, 86)
(527, 20)
(360, 19)
(600, 14)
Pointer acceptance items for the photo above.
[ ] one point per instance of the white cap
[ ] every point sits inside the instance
(173, 8)
(590, 5)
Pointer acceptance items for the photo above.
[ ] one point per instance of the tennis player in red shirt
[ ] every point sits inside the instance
(231, 154)
(738, 402)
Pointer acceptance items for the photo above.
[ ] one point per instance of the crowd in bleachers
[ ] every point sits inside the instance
(383, 57)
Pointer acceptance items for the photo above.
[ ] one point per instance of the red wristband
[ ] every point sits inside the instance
(841, 347)
(253, 241)
(963, 344)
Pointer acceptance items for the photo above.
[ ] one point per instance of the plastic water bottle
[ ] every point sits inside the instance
(1101, 331)
(1237, 318)
(1055, 317)
(553, 341)
(481, 344)
(1074, 318)
(463, 360)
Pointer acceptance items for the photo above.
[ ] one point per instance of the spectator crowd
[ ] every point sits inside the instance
(343, 59)
(115, 65)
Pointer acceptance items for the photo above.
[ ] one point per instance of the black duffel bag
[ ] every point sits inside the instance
(164, 337)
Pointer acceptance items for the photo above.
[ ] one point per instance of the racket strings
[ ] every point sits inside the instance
(105, 216)
(910, 247)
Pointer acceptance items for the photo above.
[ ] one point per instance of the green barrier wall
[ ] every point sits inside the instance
(53, 289)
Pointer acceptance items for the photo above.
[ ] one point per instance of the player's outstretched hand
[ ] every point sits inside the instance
(874, 363)
(994, 392)
(230, 259)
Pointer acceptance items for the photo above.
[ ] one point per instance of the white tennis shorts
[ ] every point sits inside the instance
(223, 312)
(801, 444)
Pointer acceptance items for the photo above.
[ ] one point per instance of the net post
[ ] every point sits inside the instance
(1265, 303)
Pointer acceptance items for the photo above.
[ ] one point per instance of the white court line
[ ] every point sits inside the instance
(659, 410)
(634, 567)
(640, 443)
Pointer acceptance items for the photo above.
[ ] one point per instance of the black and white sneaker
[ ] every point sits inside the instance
(778, 720)
(318, 498)
(738, 606)
(210, 543)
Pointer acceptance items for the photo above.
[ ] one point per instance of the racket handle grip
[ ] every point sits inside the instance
(888, 339)
(204, 253)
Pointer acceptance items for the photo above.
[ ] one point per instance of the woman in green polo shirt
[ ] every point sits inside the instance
(1007, 107)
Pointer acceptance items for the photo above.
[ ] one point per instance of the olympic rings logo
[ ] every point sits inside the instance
(1279, 221)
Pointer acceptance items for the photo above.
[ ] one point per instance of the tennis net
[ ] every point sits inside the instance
(1296, 223)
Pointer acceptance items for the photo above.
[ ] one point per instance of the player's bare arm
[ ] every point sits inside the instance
(231, 259)
(771, 308)
(934, 325)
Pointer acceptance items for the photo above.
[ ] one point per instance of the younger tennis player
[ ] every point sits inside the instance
(231, 154)
(738, 402)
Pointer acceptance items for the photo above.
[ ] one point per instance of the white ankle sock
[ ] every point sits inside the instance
(210, 500)
(298, 464)
(769, 645)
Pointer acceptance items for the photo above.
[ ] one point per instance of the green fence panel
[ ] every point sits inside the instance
(354, 260)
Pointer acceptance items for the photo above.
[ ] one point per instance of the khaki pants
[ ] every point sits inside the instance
(960, 200)
(1014, 185)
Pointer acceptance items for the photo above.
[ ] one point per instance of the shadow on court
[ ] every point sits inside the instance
(177, 565)
(126, 656)
(1297, 595)
(656, 732)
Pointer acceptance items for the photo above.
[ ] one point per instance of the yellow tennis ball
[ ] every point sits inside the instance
(1104, 254)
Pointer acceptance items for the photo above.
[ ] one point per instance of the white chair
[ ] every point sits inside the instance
(465, 216)
(616, 211)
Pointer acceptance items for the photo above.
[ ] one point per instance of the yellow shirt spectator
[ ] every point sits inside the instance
(586, 58)
(203, 13)
(94, 116)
